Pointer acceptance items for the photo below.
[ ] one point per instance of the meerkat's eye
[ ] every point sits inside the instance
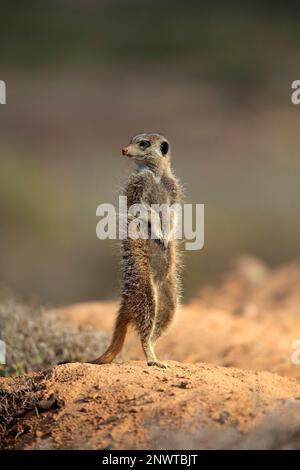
(143, 144)
(164, 148)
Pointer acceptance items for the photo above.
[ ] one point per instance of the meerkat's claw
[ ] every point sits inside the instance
(161, 243)
(159, 364)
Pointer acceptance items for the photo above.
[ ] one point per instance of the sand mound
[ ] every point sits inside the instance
(133, 406)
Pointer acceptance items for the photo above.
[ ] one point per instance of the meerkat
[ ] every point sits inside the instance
(149, 294)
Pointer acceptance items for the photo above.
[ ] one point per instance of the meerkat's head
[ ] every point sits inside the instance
(149, 149)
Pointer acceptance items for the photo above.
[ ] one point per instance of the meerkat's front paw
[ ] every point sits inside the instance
(162, 243)
(160, 364)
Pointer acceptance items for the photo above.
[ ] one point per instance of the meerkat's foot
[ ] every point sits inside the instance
(157, 363)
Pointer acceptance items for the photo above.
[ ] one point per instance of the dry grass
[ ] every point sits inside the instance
(16, 402)
(34, 341)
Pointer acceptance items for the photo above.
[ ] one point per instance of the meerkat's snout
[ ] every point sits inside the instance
(133, 151)
(130, 150)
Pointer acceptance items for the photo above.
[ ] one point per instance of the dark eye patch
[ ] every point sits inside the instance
(164, 148)
(144, 144)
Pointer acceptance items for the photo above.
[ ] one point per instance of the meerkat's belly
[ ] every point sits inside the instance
(160, 261)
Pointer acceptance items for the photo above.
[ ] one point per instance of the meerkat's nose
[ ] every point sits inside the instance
(125, 151)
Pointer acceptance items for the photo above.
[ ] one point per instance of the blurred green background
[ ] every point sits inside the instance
(84, 76)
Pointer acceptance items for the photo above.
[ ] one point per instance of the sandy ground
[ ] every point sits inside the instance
(133, 406)
(234, 385)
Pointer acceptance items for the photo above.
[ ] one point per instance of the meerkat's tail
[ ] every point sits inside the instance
(120, 331)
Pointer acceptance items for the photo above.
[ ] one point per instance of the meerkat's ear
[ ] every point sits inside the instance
(164, 148)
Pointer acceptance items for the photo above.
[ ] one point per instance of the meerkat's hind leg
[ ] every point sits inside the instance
(165, 312)
(166, 307)
(146, 327)
(152, 360)
(148, 348)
